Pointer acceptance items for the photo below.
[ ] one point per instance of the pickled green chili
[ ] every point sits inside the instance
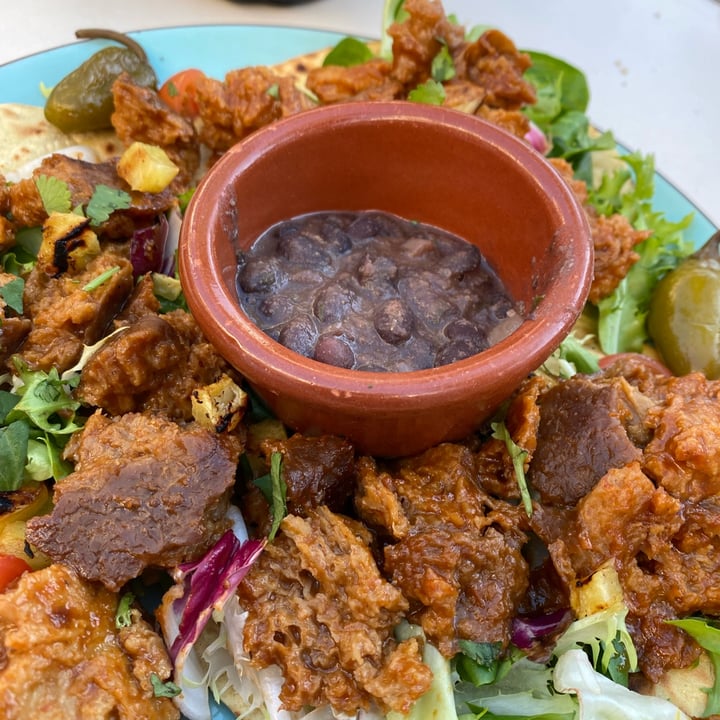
(82, 100)
(684, 317)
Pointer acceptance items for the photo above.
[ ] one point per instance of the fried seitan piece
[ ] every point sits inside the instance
(454, 551)
(488, 79)
(592, 418)
(65, 316)
(368, 81)
(494, 63)
(614, 239)
(316, 470)
(145, 492)
(418, 39)
(248, 99)
(640, 488)
(140, 115)
(684, 454)
(13, 328)
(319, 608)
(152, 366)
(82, 178)
(62, 657)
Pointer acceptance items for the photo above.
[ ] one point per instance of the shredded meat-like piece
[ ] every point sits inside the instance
(333, 83)
(494, 63)
(153, 365)
(318, 607)
(248, 99)
(451, 549)
(655, 513)
(684, 454)
(141, 115)
(64, 659)
(418, 40)
(144, 493)
(65, 316)
(614, 239)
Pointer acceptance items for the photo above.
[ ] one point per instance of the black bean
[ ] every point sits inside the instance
(462, 260)
(455, 350)
(304, 251)
(370, 225)
(276, 309)
(462, 329)
(333, 303)
(336, 238)
(434, 309)
(394, 321)
(333, 350)
(259, 275)
(299, 334)
(376, 271)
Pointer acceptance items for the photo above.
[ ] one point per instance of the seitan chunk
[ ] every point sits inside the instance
(145, 493)
(62, 657)
(319, 608)
(453, 551)
(153, 365)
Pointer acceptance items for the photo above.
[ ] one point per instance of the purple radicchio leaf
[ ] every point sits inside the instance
(209, 582)
(528, 630)
(147, 247)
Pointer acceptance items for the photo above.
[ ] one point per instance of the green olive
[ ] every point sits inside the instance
(83, 101)
(684, 316)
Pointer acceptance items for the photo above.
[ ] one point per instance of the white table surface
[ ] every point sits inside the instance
(653, 65)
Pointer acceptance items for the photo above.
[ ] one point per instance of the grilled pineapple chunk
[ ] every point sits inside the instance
(68, 244)
(220, 405)
(146, 168)
(601, 591)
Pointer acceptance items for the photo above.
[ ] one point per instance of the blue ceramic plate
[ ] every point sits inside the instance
(215, 49)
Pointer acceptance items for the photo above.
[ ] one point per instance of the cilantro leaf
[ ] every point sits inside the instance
(123, 616)
(518, 456)
(163, 689)
(12, 294)
(274, 490)
(348, 52)
(54, 194)
(104, 201)
(431, 93)
(443, 66)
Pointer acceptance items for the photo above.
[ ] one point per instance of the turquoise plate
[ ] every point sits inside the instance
(215, 49)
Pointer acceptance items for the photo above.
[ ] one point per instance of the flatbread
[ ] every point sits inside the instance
(27, 137)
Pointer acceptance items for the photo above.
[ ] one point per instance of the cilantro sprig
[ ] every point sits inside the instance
(56, 197)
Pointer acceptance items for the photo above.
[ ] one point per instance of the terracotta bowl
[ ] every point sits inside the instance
(421, 162)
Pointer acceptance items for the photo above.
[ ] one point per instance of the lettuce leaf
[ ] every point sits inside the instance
(36, 421)
(600, 698)
(707, 634)
(622, 315)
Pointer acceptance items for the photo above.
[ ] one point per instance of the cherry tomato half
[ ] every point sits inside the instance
(11, 567)
(179, 92)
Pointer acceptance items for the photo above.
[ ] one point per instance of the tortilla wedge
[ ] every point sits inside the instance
(27, 136)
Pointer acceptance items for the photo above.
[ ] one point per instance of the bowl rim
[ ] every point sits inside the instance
(260, 358)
